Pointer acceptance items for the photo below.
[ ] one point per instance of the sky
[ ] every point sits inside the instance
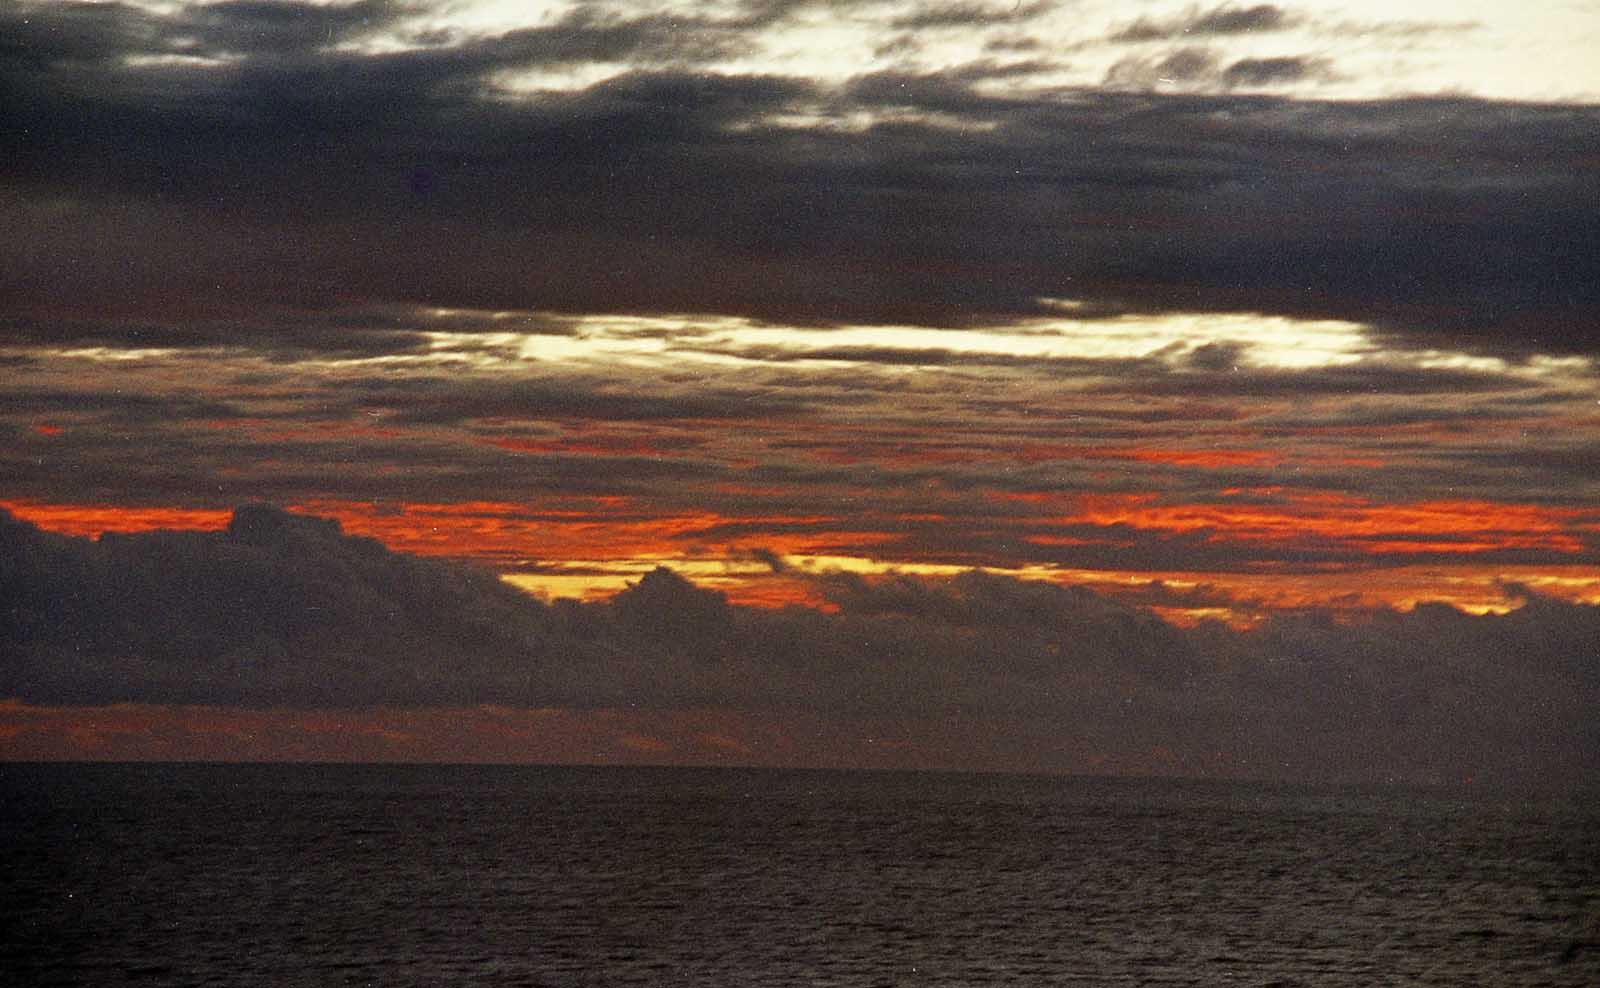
(1128, 388)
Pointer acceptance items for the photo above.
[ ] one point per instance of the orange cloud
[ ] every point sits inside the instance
(616, 538)
(1418, 526)
(92, 519)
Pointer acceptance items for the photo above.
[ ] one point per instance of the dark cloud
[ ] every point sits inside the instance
(340, 332)
(1185, 65)
(1192, 68)
(1238, 20)
(1273, 71)
(1221, 20)
(1384, 411)
(324, 448)
(263, 26)
(950, 87)
(929, 357)
(73, 33)
(765, 12)
(1120, 547)
(767, 558)
(283, 610)
(1160, 594)
(289, 336)
(439, 400)
(216, 430)
(1578, 460)
(278, 609)
(1013, 43)
(113, 406)
(330, 178)
(969, 15)
(1397, 29)
(1212, 376)
(1222, 355)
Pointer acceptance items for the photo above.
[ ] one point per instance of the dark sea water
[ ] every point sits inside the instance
(426, 875)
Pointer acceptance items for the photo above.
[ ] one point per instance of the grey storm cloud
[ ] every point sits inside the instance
(313, 176)
(286, 610)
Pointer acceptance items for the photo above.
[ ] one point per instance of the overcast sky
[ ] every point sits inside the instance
(1100, 386)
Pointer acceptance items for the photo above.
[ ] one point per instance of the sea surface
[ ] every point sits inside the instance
(286, 875)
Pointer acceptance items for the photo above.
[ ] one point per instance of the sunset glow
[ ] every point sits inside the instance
(372, 368)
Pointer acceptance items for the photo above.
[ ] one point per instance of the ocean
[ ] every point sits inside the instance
(287, 875)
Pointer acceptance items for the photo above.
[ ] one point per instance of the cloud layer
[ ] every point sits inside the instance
(282, 610)
(233, 158)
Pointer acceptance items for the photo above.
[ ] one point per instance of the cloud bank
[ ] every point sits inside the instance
(284, 610)
(235, 156)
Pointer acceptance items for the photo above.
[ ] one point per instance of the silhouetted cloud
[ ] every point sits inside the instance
(285, 610)
(277, 609)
